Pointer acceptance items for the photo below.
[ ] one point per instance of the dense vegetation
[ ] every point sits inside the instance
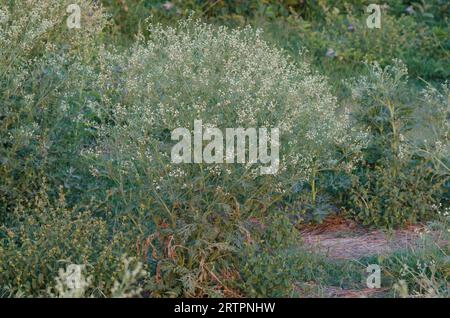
(85, 122)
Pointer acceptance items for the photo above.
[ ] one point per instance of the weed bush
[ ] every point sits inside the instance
(413, 31)
(41, 81)
(44, 237)
(227, 78)
(44, 72)
(405, 168)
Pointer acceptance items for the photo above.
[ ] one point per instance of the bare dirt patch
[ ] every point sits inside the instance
(338, 238)
(312, 290)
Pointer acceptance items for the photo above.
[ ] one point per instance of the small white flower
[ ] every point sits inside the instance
(410, 10)
(168, 5)
(330, 53)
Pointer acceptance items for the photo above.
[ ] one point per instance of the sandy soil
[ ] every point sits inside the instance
(341, 239)
(338, 238)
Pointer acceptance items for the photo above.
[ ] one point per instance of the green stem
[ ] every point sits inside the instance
(313, 185)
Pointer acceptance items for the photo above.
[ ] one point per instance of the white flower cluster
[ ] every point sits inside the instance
(226, 78)
(30, 24)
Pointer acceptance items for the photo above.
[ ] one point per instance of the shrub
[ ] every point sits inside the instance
(43, 74)
(227, 78)
(414, 31)
(45, 236)
(349, 42)
(405, 167)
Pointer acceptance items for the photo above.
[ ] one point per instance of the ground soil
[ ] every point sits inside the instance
(340, 239)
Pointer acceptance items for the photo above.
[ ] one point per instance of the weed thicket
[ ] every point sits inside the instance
(85, 123)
